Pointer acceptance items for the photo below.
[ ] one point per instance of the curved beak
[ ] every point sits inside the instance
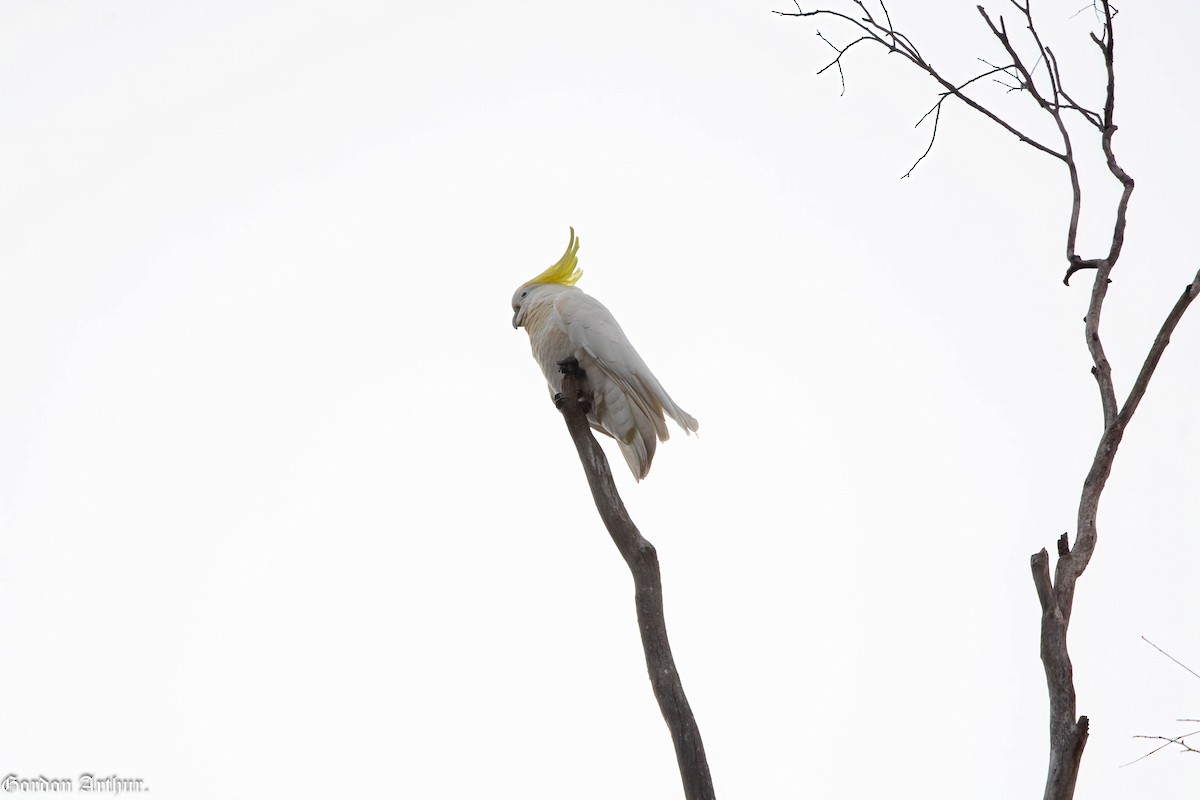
(515, 323)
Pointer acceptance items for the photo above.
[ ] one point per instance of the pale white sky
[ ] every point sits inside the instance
(286, 510)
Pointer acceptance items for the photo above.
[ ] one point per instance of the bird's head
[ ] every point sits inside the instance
(564, 273)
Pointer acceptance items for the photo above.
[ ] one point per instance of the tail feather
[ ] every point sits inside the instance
(639, 454)
(663, 403)
(619, 413)
(633, 411)
(685, 420)
(638, 442)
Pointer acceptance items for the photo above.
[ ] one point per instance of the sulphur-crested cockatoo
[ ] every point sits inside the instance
(627, 401)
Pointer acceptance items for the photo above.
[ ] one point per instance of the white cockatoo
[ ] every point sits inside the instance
(627, 401)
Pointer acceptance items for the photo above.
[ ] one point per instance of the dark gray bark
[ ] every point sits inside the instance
(642, 560)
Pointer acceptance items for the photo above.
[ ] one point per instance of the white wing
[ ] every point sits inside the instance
(628, 402)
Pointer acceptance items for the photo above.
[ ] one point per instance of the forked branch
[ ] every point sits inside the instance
(881, 31)
(1167, 741)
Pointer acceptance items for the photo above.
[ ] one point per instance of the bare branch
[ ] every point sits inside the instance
(936, 110)
(1043, 54)
(937, 115)
(1179, 740)
(889, 28)
(1040, 565)
(1000, 32)
(1092, 117)
(1169, 740)
(1168, 655)
(1157, 348)
(838, 61)
(1089, 7)
(642, 560)
(1101, 369)
(1166, 742)
(894, 41)
(1118, 237)
(1147, 755)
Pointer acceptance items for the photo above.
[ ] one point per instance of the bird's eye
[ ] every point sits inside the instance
(524, 293)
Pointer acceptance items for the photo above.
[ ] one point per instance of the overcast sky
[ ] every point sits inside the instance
(285, 508)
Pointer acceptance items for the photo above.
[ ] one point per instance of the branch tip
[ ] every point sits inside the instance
(1039, 565)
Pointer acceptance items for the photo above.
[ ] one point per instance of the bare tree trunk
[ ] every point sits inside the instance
(640, 555)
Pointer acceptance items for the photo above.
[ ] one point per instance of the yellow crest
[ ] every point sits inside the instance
(566, 270)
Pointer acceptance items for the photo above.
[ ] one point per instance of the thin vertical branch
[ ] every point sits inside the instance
(642, 560)
(1157, 348)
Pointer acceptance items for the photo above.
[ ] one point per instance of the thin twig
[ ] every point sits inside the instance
(1179, 740)
(1173, 658)
(937, 115)
(1091, 116)
(896, 42)
(936, 110)
(1166, 742)
(838, 60)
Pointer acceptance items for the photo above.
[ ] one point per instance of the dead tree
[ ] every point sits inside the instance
(1041, 80)
(642, 560)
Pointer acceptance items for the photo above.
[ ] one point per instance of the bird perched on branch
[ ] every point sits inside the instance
(627, 401)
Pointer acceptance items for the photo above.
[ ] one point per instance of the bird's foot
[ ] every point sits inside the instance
(570, 366)
(581, 398)
(584, 402)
